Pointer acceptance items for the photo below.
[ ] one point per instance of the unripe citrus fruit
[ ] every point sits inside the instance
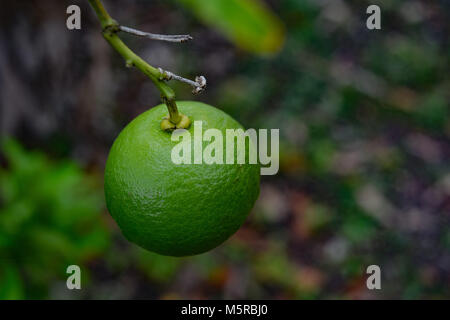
(176, 209)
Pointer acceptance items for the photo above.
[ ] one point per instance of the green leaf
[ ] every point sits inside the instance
(247, 23)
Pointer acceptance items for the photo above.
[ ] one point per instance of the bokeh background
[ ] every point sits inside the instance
(365, 147)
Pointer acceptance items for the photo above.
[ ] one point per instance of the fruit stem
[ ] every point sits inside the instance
(110, 28)
(174, 115)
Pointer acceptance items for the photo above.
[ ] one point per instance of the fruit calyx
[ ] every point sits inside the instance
(175, 119)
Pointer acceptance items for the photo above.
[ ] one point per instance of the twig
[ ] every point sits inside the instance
(157, 75)
(199, 84)
(154, 36)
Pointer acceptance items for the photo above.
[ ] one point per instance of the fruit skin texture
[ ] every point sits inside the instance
(176, 210)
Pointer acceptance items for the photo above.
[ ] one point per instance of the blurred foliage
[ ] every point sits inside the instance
(49, 219)
(248, 23)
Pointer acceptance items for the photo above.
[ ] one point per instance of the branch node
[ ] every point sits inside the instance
(165, 75)
(111, 27)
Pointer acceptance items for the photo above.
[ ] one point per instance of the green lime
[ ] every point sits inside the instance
(177, 209)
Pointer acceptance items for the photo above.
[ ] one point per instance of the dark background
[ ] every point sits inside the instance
(364, 150)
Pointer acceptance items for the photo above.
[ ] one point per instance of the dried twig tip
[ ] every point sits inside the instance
(201, 85)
